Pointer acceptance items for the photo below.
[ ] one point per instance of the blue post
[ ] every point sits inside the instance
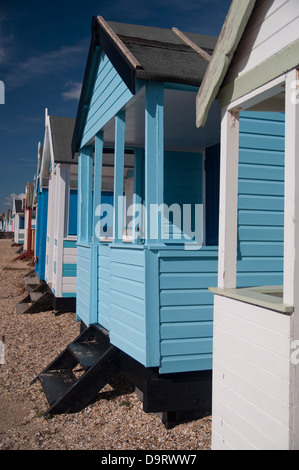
(138, 188)
(97, 190)
(85, 194)
(119, 163)
(154, 155)
(98, 163)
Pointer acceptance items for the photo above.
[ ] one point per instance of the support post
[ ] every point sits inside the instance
(63, 181)
(137, 194)
(98, 164)
(97, 195)
(154, 158)
(291, 209)
(228, 221)
(85, 194)
(291, 236)
(119, 164)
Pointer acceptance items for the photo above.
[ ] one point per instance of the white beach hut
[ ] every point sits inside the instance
(256, 329)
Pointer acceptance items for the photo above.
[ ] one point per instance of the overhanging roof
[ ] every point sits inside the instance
(233, 28)
(145, 53)
(62, 132)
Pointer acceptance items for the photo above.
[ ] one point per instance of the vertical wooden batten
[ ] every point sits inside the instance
(228, 200)
(119, 165)
(85, 194)
(154, 155)
(98, 164)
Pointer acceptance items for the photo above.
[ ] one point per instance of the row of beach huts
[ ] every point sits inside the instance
(166, 215)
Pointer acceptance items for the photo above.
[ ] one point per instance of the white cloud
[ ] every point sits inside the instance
(74, 91)
(8, 200)
(49, 63)
(6, 40)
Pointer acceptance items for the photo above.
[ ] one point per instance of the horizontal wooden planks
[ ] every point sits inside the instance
(186, 311)
(251, 376)
(261, 199)
(83, 282)
(110, 94)
(272, 26)
(127, 301)
(104, 286)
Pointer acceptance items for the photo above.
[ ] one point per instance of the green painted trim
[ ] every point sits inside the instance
(260, 297)
(276, 65)
(231, 33)
(69, 243)
(68, 294)
(69, 270)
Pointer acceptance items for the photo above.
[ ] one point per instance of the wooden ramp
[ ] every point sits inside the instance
(75, 377)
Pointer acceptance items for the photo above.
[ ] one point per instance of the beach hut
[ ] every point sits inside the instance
(57, 212)
(255, 344)
(146, 262)
(145, 295)
(52, 285)
(41, 205)
(7, 223)
(29, 223)
(18, 221)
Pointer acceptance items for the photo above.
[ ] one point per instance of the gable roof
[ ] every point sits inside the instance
(62, 132)
(145, 53)
(162, 55)
(230, 36)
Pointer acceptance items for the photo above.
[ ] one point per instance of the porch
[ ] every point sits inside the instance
(143, 267)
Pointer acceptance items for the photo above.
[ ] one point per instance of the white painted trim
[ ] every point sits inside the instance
(50, 227)
(63, 178)
(204, 182)
(262, 93)
(291, 208)
(228, 209)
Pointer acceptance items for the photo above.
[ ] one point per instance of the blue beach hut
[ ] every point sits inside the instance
(143, 280)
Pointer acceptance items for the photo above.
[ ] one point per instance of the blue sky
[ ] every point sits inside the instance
(43, 53)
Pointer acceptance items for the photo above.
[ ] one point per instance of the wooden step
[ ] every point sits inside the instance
(98, 362)
(87, 353)
(56, 383)
(22, 307)
(31, 283)
(34, 296)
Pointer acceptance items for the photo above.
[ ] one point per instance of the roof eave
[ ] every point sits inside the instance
(101, 39)
(232, 31)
